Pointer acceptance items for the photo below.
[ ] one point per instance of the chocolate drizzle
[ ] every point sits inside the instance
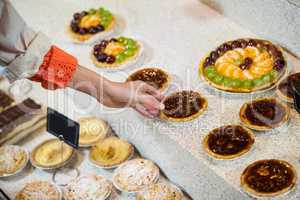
(229, 140)
(269, 176)
(183, 104)
(265, 112)
(152, 76)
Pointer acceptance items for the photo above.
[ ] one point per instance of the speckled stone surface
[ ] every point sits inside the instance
(177, 35)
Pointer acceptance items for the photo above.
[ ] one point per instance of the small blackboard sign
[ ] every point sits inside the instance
(62, 127)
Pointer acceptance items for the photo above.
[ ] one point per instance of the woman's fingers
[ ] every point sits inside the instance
(154, 92)
(150, 102)
(143, 111)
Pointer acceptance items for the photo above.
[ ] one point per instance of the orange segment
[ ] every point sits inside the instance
(263, 56)
(114, 48)
(250, 52)
(90, 21)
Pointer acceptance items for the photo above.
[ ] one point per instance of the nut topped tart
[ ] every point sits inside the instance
(51, 154)
(92, 130)
(88, 187)
(111, 152)
(160, 191)
(264, 114)
(12, 159)
(268, 178)
(39, 190)
(183, 106)
(244, 65)
(90, 24)
(284, 88)
(155, 77)
(228, 142)
(116, 52)
(135, 175)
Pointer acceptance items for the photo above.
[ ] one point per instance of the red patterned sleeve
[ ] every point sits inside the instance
(56, 70)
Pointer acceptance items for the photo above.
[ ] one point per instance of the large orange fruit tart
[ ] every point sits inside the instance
(244, 65)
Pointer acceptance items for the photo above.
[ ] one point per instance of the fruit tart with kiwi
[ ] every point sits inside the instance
(116, 52)
(93, 23)
(244, 65)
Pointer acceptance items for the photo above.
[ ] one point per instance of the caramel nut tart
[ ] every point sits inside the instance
(88, 187)
(135, 175)
(160, 191)
(284, 88)
(39, 190)
(51, 154)
(268, 178)
(183, 106)
(110, 152)
(92, 130)
(116, 52)
(12, 160)
(93, 23)
(155, 77)
(264, 114)
(228, 142)
(243, 66)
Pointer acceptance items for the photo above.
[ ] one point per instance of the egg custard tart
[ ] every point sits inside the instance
(91, 24)
(228, 142)
(243, 66)
(284, 88)
(116, 52)
(264, 114)
(110, 152)
(183, 106)
(268, 178)
(155, 77)
(51, 154)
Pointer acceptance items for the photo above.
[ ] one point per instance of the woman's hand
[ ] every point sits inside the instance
(142, 97)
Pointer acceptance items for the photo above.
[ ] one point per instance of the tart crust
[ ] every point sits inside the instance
(85, 37)
(255, 193)
(241, 90)
(163, 116)
(248, 123)
(281, 94)
(126, 62)
(164, 86)
(228, 157)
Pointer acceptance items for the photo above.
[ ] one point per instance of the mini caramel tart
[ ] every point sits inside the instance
(268, 178)
(116, 52)
(264, 114)
(155, 77)
(92, 23)
(183, 106)
(228, 142)
(284, 88)
(243, 66)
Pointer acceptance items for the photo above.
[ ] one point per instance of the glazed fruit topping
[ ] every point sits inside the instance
(246, 64)
(92, 21)
(115, 50)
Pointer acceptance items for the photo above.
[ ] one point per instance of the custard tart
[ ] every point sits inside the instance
(228, 142)
(39, 190)
(111, 152)
(155, 77)
(243, 66)
(284, 88)
(91, 24)
(268, 178)
(116, 52)
(92, 130)
(183, 106)
(51, 154)
(160, 191)
(264, 114)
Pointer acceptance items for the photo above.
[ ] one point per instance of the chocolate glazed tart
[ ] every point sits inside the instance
(155, 77)
(183, 106)
(268, 59)
(284, 88)
(264, 114)
(268, 178)
(228, 142)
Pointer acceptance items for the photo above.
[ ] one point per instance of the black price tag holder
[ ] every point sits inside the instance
(67, 131)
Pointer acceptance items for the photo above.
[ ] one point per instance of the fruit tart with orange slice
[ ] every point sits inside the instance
(93, 23)
(244, 65)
